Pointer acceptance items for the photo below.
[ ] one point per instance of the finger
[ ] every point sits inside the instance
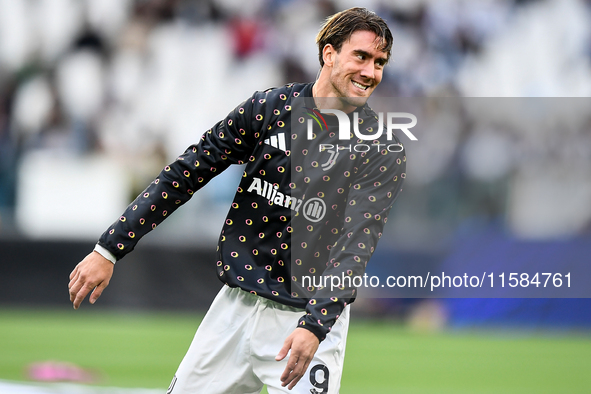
(294, 376)
(81, 294)
(284, 350)
(287, 375)
(77, 283)
(74, 273)
(75, 287)
(299, 373)
(294, 382)
(73, 278)
(97, 292)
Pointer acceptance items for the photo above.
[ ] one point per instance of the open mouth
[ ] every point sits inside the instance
(360, 86)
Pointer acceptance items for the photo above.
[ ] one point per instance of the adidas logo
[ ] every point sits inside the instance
(277, 141)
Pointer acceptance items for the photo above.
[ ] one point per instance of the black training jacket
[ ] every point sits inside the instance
(308, 203)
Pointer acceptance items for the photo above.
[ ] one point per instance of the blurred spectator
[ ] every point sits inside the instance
(136, 81)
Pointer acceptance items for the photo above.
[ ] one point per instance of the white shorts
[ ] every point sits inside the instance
(234, 349)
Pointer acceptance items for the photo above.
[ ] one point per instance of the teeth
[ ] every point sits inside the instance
(359, 85)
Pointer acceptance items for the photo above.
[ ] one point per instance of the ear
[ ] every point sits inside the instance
(328, 55)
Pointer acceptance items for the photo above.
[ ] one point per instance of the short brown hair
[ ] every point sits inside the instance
(339, 27)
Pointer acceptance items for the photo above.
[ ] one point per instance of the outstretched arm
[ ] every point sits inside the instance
(226, 143)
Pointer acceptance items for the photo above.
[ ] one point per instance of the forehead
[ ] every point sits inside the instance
(366, 41)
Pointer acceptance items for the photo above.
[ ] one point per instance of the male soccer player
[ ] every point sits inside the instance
(311, 200)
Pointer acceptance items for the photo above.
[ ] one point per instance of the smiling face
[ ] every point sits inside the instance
(352, 73)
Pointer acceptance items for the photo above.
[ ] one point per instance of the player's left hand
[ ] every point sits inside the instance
(303, 344)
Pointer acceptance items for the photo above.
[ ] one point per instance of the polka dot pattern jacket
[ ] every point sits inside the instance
(309, 204)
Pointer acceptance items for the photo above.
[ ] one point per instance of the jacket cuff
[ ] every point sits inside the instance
(309, 324)
(105, 253)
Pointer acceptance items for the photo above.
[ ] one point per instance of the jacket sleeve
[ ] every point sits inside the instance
(230, 141)
(370, 199)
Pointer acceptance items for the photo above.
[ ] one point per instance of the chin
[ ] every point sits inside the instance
(355, 101)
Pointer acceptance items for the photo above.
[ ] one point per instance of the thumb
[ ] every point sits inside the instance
(284, 350)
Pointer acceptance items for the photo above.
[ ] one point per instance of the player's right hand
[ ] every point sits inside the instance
(94, 272)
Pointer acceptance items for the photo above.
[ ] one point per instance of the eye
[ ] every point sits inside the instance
(361, 57)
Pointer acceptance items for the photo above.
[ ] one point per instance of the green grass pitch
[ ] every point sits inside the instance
(143, 350)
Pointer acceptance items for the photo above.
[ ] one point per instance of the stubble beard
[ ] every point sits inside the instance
(346, 100)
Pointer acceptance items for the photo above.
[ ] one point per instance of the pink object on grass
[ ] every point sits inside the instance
(55, 371)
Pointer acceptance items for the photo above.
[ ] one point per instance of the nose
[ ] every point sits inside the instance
(368, 70)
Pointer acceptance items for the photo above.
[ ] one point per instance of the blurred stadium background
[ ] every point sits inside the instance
(96, 96)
